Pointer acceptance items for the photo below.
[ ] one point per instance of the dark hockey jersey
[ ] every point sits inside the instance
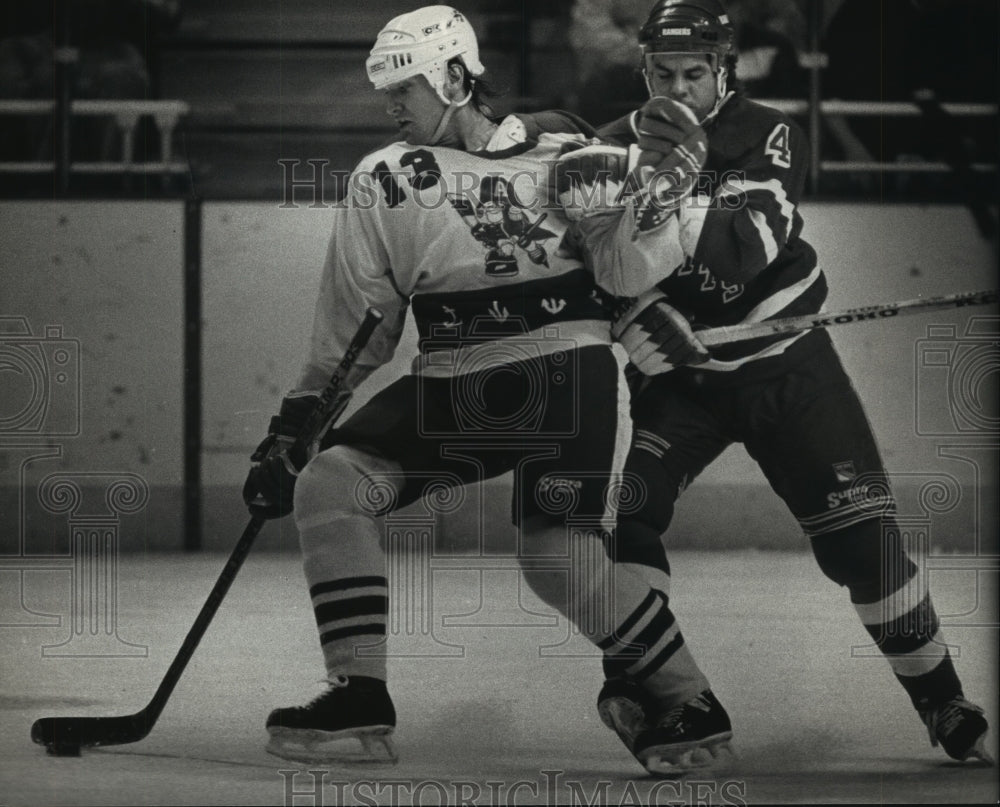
(744, 258)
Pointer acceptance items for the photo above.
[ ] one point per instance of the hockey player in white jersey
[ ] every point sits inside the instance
(454, 222)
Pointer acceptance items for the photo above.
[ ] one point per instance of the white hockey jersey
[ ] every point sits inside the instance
(472, 241)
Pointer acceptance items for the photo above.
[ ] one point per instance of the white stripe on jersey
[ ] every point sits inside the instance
(782, 299)
(774, 349)
(766, 236)
(732, 187)
(768, 308)
(691, 216)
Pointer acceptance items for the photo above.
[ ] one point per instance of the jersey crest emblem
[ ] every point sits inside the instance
(503, 226)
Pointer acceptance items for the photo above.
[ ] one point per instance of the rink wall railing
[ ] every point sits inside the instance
(176, 174)
(126, 114)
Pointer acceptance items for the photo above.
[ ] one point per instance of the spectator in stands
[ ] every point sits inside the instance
(602, 34)
(768, 33)
(888, 52)
(113, 39)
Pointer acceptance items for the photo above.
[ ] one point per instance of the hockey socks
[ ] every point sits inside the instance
(904, 625)
(351, 617)
(648, 648)
(345, 567)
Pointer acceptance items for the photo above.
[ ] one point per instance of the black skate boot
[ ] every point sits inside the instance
(959, 728)
(691, 737)
(356, 708)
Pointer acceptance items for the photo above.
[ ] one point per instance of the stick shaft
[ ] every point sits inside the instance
(754, 330)
(115, 731)
(309, 432)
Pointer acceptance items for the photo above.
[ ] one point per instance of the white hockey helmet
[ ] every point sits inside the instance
(422, 42)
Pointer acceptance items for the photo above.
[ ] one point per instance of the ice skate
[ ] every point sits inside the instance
(687, 738)
(959, 728)
(353, 710)
(623, 706)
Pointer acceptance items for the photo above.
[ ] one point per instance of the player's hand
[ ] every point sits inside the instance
(656, 336)
(270, 483)
(673, 149)
(665, 126)
(270, 486)
(588, 180)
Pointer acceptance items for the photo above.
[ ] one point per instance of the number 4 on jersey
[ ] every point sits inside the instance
(778, 146)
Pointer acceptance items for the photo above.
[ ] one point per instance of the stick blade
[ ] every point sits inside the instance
(63, 732)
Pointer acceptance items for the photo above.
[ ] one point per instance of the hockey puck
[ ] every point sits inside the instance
(63, 750)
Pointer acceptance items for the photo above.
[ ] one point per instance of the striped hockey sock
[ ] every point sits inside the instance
(906, 628)
(351, 616)
(648, 647)
(345, 567)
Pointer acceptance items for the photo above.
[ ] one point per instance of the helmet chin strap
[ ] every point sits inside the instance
(446, 115)
(721, 96)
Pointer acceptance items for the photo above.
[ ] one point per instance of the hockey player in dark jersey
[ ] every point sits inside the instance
(453, 223)
(786, 398)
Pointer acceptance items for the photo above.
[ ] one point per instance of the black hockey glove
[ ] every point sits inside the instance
(670, 136)
(673, 149)
(270, 484)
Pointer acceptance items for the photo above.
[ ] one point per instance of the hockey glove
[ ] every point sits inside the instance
(656, 336)
(270, 484)
(588, 180)
(673, 149)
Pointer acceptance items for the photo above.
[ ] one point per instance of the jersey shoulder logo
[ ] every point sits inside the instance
(502, 225)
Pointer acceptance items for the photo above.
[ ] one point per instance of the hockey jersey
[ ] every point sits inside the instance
(471, 241)
(743, 257)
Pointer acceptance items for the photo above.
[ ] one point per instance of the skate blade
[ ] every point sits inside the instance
(334, 747)
(978, 755)
(713, 753)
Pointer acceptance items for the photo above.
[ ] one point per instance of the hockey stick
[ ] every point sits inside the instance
(64, 736)
(754, 330)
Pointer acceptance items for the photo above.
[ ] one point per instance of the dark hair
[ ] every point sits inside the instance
(482, 89)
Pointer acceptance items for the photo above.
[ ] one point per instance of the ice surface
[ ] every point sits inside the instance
(495, 698)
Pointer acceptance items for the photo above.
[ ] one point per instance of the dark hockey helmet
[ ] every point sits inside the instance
(691, 26)
(688, 26)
